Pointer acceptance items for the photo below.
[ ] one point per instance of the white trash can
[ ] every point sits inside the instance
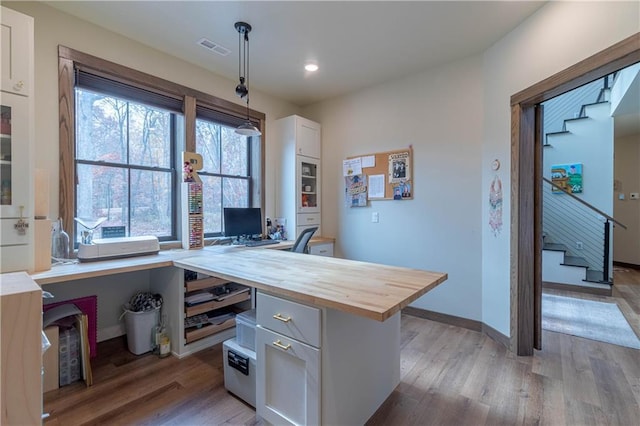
(139, 327)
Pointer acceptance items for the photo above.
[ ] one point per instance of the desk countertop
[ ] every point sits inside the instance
(370, 290)
(366, 289)
(76, 271)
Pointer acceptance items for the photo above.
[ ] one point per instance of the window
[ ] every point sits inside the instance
(226, 176)
(121, 157)
(124, 164)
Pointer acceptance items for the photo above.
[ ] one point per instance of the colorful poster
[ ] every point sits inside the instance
(356, 190)
(568, 177)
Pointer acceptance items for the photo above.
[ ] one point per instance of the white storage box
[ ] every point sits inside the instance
(239, 371)
(246, 329)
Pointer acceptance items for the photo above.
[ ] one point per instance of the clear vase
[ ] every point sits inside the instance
(59, 241)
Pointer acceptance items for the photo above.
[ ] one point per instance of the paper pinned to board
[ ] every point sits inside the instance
(368, 161)
(351, 167)
(376, 186)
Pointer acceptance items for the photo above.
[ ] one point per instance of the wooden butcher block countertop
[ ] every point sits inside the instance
(366, 289)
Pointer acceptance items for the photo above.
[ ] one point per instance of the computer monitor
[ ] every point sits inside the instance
(242, 221)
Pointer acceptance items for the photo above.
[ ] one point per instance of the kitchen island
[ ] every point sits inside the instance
(328, 330)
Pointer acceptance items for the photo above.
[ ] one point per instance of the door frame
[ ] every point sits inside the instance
(526, 187)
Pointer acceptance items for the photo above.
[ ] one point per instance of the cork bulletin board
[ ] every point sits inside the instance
(387, 175)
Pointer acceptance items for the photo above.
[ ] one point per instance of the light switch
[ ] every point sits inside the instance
(621, 196)
(634, 195)
(374, 217)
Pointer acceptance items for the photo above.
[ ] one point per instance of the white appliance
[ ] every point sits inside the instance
(239, 371)
(113, 248)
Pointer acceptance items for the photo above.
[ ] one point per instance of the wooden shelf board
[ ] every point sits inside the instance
(208, 330)
(214, 304)
(203, 283)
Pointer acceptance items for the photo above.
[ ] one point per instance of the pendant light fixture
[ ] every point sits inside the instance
(242, 89)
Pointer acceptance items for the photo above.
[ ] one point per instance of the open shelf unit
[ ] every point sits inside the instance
(218, 302)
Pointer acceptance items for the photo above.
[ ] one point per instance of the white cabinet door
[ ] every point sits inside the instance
(288, 380)
(16, 39)
(308, 185)
(307, 138)
(14, 157)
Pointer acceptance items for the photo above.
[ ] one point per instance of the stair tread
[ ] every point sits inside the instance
(576, 118)
(554, 247)
(595, 103)
(561, 132)
(575, 261)
(595, 277)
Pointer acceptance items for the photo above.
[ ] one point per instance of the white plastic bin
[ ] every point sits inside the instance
(139, 327)
(246, 329)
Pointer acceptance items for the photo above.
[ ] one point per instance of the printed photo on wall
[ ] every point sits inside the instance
(402, 191)
(399, 167)
(567, 177)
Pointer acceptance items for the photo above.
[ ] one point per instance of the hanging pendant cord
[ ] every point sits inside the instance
(239, 55)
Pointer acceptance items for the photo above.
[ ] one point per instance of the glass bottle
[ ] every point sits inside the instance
(156, 335)
(165, 340)
(59, 241)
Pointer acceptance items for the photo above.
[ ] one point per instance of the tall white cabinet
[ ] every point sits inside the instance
(16, 142)
(299, 195)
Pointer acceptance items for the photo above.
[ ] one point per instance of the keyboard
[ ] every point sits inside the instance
(259, 243)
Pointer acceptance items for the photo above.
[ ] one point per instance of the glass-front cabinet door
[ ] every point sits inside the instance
(14, 157)
(308, 184)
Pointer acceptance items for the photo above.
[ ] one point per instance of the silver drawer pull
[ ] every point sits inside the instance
(281, 318)
(279, 344)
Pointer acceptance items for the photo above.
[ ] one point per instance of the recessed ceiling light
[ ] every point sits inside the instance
(311, 67)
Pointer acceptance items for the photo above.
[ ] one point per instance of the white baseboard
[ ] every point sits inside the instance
(110, 332)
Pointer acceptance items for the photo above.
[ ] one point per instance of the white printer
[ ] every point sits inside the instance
(113, 248)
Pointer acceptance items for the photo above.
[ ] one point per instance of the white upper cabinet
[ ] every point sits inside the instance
(17, 57)
(307, 137)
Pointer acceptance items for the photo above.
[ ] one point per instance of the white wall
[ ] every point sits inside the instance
(626, 242)
(554, 38)
(441, 112)
(438, 112)
(590, 142)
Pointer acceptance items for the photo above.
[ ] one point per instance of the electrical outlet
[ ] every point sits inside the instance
(374, 217)
(579, 245)
(634, 195)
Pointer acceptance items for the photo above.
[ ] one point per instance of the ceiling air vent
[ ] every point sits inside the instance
(214, 47)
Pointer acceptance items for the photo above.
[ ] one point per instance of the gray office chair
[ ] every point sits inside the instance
(300, 246)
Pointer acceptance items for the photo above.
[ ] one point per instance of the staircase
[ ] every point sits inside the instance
(575, 230)
(559, 267)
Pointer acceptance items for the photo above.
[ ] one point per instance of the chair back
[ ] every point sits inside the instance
(300, 246)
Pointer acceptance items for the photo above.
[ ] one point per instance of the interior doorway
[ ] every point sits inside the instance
(526, 175)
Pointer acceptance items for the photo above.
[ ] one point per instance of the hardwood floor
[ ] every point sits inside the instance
(450, 376)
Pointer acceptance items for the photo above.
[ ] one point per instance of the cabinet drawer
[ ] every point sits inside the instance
(325, 249)
(306, 219)
(292, 319)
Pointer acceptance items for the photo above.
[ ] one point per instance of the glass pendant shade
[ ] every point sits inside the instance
(248, 129)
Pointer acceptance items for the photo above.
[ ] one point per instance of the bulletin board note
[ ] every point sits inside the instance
(390, 174)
